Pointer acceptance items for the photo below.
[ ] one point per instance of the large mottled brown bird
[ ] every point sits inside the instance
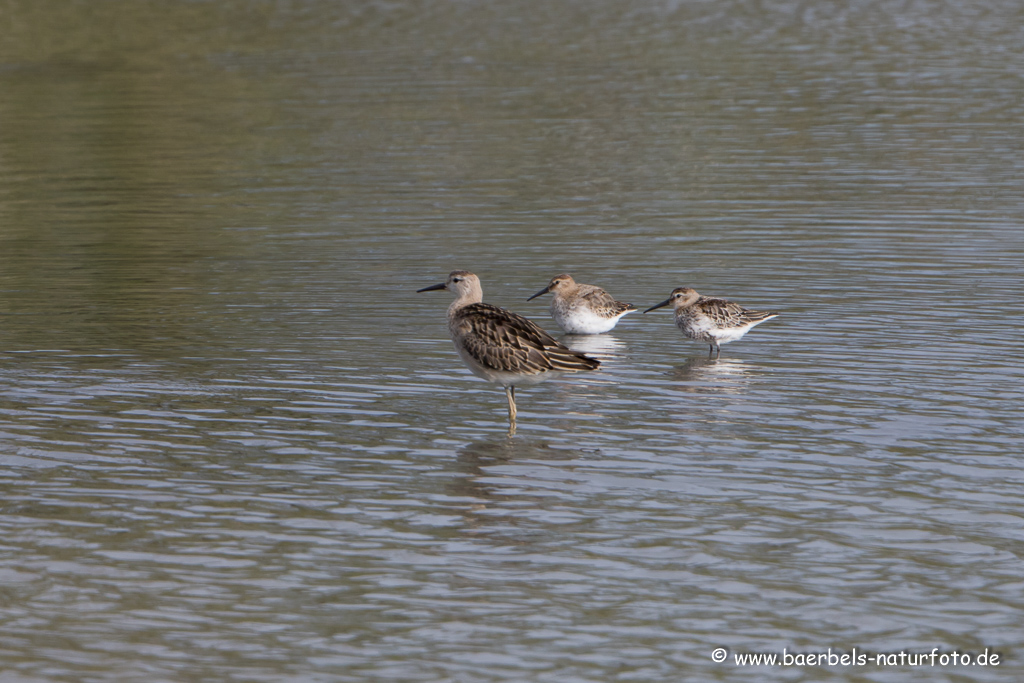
(501, 346)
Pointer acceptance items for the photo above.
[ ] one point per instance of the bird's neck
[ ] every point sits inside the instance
(568, 291)
(471, 296)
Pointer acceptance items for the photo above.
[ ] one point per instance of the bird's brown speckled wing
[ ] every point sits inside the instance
(602, 302)
(508, 342)
(726, 314)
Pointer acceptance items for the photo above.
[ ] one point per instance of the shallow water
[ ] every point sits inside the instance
(236, 445)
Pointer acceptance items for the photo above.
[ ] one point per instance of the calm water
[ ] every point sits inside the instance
(236, 445)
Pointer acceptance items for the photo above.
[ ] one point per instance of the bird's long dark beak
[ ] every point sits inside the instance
(541, 292)
(666, 302)
(431, 288)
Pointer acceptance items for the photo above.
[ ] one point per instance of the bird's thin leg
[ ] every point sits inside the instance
(510, 392)
(711, 350)
(718, 351)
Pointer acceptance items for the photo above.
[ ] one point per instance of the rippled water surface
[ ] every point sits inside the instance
(236, 445)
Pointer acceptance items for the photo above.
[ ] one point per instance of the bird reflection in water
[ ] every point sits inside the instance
(472, 462)
(590, 391)
(705, 375)
(602, 346)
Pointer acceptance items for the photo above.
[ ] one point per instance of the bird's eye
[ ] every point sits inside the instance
(456, 279)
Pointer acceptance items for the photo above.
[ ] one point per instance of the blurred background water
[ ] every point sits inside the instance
(236, 445)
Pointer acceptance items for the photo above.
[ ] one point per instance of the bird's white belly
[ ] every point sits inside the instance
(704, 329)
(731, 334)
(582, 321)
(696, 327)
(498, 376)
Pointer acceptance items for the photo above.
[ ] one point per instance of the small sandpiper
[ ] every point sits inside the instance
(583, 309)
(501, 346)
(716, 321)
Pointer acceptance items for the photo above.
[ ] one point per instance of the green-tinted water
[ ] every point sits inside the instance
(235, 444)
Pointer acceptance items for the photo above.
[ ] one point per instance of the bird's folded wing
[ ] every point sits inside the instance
(505, 341)
(603, 302)
(727, 314)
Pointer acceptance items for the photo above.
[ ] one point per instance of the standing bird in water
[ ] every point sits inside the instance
(583, 309)
(716, 321)
(501, 346)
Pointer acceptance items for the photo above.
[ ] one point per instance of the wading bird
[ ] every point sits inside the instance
(583, 309)
(501, 346)
(712, 320)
